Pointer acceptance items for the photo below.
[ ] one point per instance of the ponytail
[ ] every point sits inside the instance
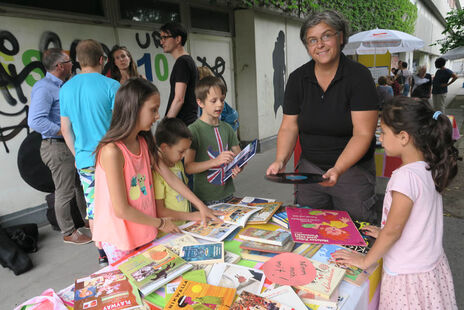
(431, 133)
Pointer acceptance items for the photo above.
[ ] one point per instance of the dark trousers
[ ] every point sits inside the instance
(59, 159)
(354, 191)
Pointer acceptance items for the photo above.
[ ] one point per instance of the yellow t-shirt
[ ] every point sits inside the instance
(172, 199)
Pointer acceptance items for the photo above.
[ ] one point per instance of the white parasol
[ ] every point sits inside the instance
(455, 53)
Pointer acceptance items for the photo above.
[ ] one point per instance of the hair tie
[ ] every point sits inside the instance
(435, 115)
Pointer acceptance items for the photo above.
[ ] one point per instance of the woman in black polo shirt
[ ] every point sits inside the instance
(331, 104)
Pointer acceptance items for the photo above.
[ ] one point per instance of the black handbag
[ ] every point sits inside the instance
(25, 236)
(12, 256)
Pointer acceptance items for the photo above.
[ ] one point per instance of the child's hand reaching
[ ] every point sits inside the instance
(224, 158)
(345, 257)
(168, 226)
(206, 214)
(371, 230)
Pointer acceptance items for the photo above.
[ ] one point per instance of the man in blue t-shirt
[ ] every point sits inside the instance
(440, 84)
(86, 104)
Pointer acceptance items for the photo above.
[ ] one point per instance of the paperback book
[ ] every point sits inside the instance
(285, 295)
(250, 201)
(265, 213)
(240, 159)
(263, 247)
(257, 255)
(153, 268)
(249, 301)
(323, 226)
(328, 277)
(195, 275)
(214, 231)
(234, 214)
(237, 277)
(191, 295)
(368, 239)
(280, 218)
(316, 301)
(177, 243)
(204, 253)
(107, 290)
(273, 237)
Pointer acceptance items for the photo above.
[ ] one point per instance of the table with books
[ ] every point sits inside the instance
(250, 261)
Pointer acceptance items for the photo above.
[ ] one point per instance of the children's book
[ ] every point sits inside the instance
(204, 253)
(176, 244)
(191, 295)
(250, 201)
(318, 302)
(231, 258)
(285, 295)
(307, 249)
(327, 279)
(195, 275)
(153, 268)
(368, 239)
(234, 214)
(249, 301)
(214, 231)
(263, 247)
(240, 159)
(323, 226)
(280, 218)
(237, 277)
(107, 290)
(274, 237)
(265, 213)
(257, 255)
(353, 274)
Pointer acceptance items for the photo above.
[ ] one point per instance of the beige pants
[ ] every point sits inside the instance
(439, 102)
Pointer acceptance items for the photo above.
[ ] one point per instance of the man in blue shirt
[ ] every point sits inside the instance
(44, 117)
(86, 104)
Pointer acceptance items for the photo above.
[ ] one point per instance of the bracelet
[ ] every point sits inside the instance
(161, 226)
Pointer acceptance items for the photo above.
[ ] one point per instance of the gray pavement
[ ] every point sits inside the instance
(57, 265)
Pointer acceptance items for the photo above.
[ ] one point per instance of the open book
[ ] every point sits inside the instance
(241, 159)
(234, 214)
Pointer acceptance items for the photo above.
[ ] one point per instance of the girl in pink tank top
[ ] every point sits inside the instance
(126, 216)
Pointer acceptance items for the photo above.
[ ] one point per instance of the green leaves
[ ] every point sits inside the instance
(454, 31)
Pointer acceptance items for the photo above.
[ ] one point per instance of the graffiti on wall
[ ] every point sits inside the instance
(160, 62)
(278, 64)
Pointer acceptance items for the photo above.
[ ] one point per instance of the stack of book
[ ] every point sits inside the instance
(261, 245)
(280, 218)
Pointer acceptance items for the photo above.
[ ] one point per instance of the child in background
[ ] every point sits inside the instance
(173, 139)
(416, 274)
(214, 144)
(126, 216)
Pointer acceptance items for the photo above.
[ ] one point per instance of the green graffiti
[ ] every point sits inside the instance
(28, 57)
(161, 61)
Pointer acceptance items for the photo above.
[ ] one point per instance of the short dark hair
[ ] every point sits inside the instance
(170, 130)
(440, 62)
(382, 80)
(175, 29)
(205, 84)
(404, 64)
(51, 57)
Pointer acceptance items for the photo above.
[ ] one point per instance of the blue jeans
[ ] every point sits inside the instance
(406, 90)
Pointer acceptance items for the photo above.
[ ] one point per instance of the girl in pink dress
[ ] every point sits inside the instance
(416, 273)
(126, 216)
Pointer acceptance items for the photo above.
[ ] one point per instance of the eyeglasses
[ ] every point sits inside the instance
(324, 38)
(166, 37)
(64, 62)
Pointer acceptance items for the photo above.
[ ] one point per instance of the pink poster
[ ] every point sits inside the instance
(323, 226)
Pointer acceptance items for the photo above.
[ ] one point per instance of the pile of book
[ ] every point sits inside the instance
(261, 245)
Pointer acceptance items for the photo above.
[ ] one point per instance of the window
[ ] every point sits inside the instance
(150, 11)
(88, 7)
(209, 19)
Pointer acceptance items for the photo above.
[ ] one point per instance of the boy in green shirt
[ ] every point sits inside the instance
(214, 145)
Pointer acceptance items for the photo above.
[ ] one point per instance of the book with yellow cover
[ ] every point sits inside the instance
(265, 213)
(191, 295)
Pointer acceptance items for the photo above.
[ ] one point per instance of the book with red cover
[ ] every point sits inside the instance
(323, 226)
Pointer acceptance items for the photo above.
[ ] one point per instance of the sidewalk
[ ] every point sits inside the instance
(57, 264)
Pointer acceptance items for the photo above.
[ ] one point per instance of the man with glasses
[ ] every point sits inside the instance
(86, 103)
(182, 102)
(44, 117)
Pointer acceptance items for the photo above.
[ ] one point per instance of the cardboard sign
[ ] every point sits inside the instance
(289, 269)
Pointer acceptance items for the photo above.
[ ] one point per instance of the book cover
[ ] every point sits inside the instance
(176, 244)
(234, 214)
(191, 295)
(237, 277)
(153, 268)
(280, 218)
(265, 213)
(214, 231)
(107, 290)
(249, 301)
(285, 295)
(195, 275)
(307, 249)
(263, 247)
(327, 279)
(231, 258)
(314, 301)
(250, 201)
(205, 253)
(274, 237)
(353, 274)
(257, 255)
(240, 159)
(368, 239)
(323, 226)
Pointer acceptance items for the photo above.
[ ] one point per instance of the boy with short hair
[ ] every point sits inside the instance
(214, 144)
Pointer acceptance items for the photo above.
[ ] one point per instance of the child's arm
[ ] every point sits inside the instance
(182, 189)
(162, 211)
(193, 167)
(397, 218)
(236, 170)
(112, 162)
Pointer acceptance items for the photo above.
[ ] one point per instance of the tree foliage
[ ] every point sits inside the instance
(454, 31)
(362, 14)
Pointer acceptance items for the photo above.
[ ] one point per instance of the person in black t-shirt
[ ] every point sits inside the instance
(440, 84)
(331, 104)
(181, 103)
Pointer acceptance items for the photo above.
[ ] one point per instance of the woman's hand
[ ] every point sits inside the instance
(331, 177)
(346, 257)
(371, 230)
(275, 167)
(168, 226)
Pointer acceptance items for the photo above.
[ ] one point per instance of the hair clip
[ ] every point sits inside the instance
(436, 114)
